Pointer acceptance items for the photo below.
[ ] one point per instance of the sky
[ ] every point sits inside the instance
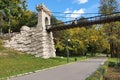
(81, 7)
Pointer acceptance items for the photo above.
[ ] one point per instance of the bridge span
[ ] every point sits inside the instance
(101, 19)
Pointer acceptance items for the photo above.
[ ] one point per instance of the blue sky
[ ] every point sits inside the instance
(67, 6)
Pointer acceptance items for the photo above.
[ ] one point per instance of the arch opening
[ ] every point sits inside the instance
(46, 22)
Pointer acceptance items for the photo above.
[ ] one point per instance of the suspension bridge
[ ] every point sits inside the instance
(101, 19)
(39, 41)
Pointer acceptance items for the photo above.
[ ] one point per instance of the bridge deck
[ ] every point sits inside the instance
(84, 22)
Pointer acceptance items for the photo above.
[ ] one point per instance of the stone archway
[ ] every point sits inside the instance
(46, 22)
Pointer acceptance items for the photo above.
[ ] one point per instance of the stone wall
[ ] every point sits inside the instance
(33, 41)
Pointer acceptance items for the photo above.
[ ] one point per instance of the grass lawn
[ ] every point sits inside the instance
(21, 63)
(13, 62)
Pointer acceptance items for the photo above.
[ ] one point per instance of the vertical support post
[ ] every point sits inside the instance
(1, 22)
(9, 22)
(67, 51)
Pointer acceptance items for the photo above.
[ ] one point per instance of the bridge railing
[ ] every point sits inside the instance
(59, 24)
(86, 21)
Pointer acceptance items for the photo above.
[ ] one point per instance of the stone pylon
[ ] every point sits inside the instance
(44, 17)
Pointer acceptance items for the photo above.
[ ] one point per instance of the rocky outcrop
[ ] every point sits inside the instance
(33, 41)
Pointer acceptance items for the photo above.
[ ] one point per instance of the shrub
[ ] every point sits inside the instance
(118, 64)
(111, 64)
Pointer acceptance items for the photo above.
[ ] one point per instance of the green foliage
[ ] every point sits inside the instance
(108, 6)
(83, 40)
(15, 15)
(111, 64)
(114, 62)
(112, 30)
(53, 20)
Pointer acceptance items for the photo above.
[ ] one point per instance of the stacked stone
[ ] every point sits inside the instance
(32, 41)
(19, 41)
(47, 45)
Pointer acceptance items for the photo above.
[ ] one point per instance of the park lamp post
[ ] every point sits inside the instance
(68, 40)
(1, 22)
(9, 7)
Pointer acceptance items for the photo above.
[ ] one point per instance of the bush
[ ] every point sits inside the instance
(111, 64)
(118, 64)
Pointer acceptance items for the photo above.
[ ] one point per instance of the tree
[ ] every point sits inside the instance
(12, 10)
(15, 15)
(53, 20)
(107, 7)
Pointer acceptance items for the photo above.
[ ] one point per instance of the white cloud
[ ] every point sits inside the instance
(74, 14)
(80, 1)
(77, 13)
(67, 10)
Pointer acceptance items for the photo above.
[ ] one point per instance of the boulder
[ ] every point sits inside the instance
(25, 28)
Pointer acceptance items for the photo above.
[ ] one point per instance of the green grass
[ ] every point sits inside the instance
(18, 64)
(13, 62)
(113, 59)
(26, 63)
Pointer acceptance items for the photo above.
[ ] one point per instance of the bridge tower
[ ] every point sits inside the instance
(44, 15)
(44, 18)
